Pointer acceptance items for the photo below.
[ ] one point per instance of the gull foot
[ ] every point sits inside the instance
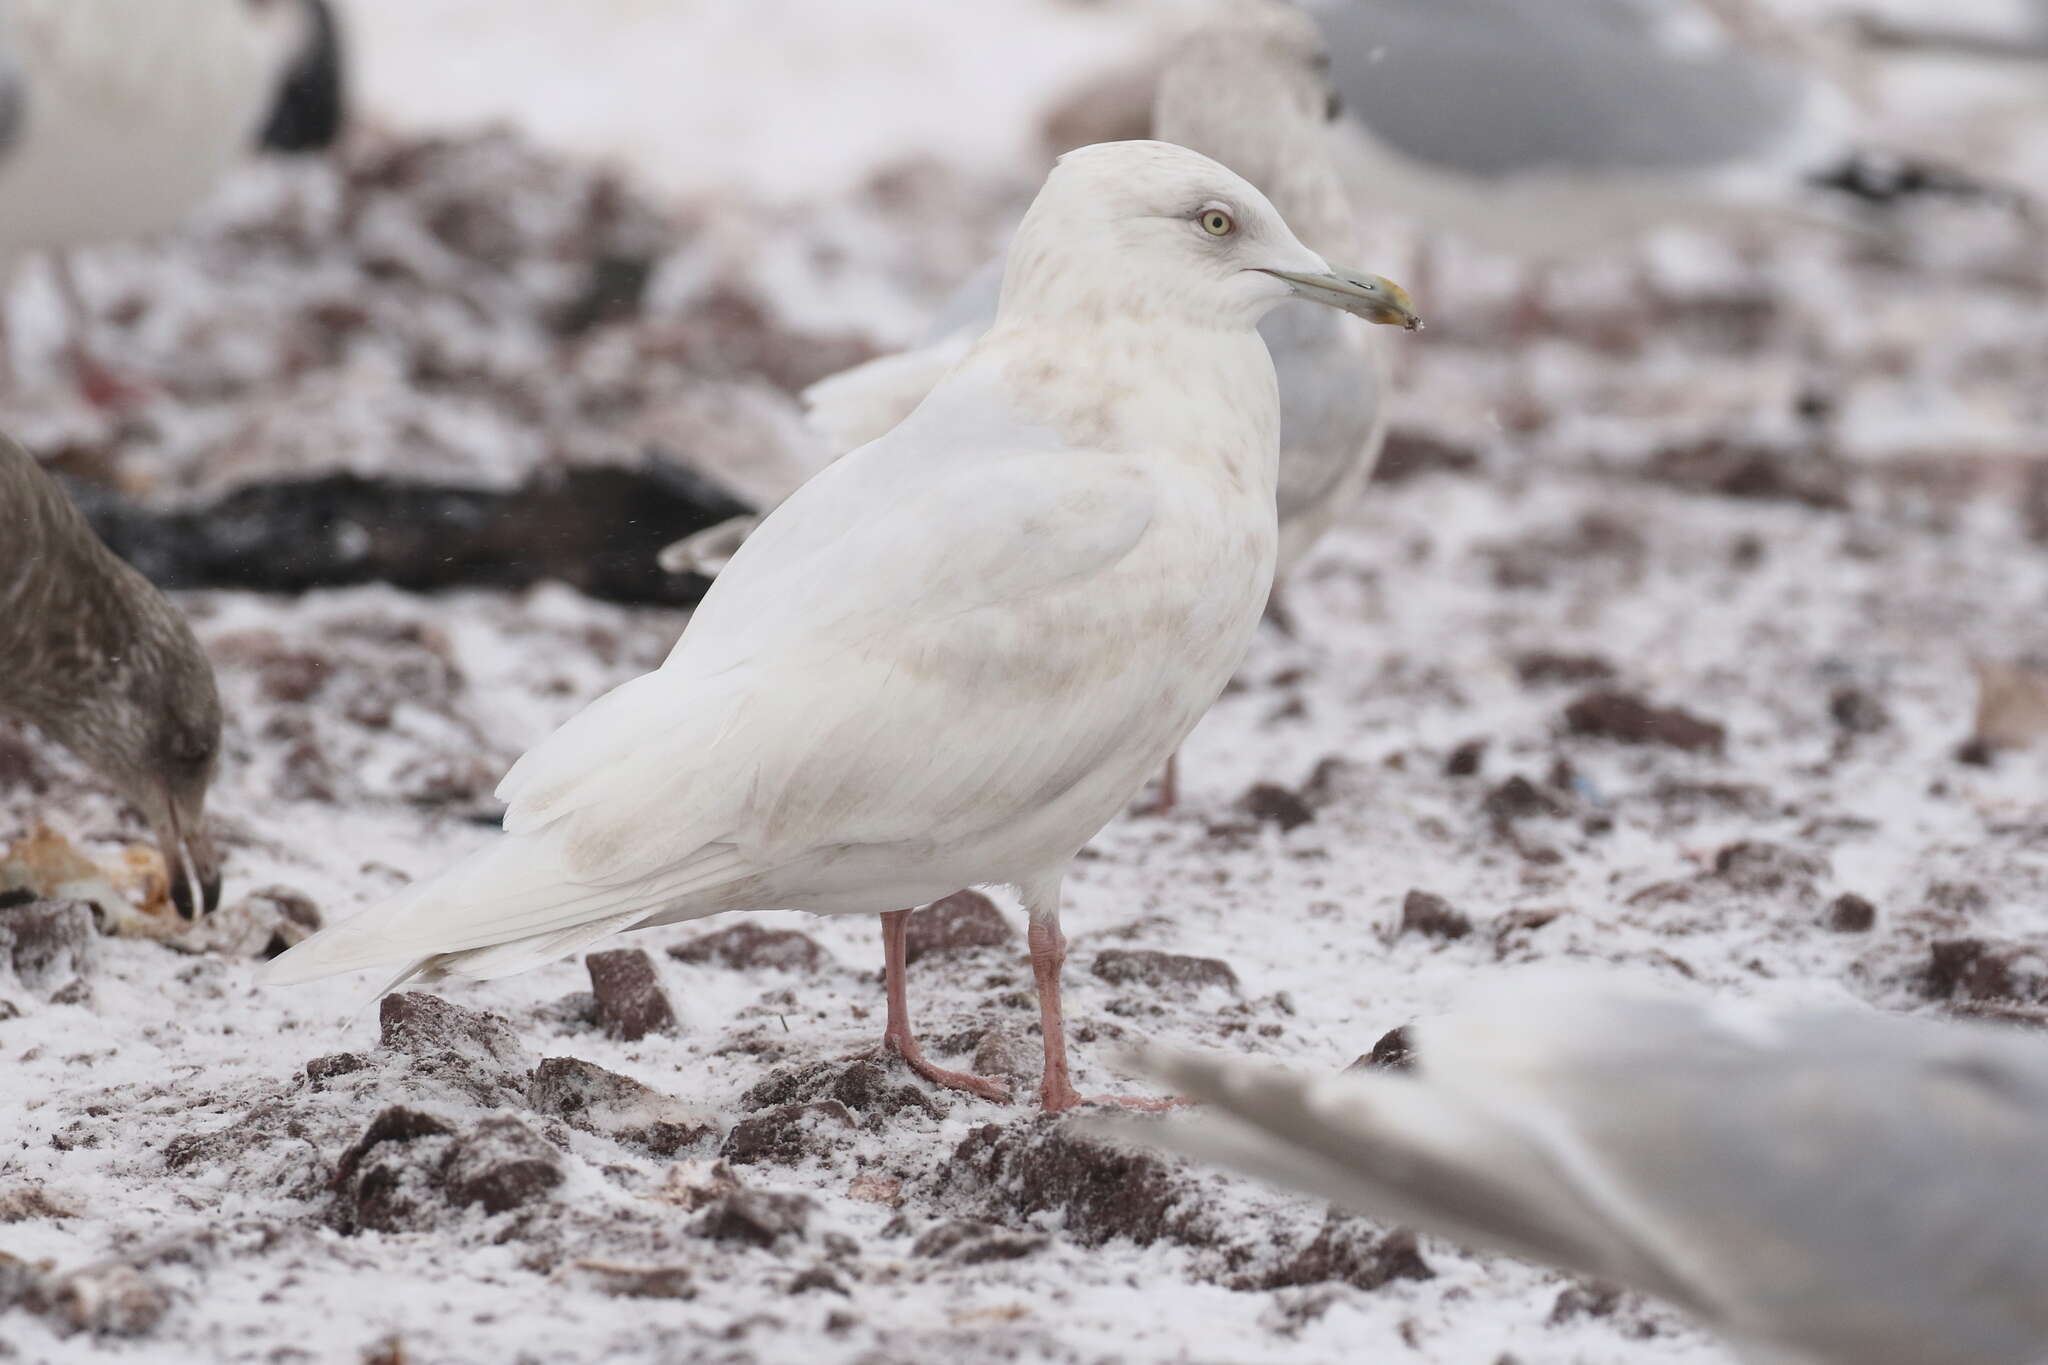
(1069, 1098)
(913, 1057)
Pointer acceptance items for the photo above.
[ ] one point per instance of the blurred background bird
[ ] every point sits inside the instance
(1545, 132)
(101, 663)
(2021, 37)
(1251, 89)
(118, 118)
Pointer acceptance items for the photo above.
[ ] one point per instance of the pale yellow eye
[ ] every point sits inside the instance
(1217, 223)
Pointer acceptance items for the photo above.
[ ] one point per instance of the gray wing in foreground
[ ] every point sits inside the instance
(1876, 1189)
(1855, 1187)
(1494, 88)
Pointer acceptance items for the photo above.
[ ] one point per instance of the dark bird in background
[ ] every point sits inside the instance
(312, 99)
(118, 118)
(100, 662)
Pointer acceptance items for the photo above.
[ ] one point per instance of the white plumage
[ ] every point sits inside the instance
(953, 655)
(119, 117)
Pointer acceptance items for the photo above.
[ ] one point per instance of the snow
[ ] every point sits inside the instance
(1900, 379)
(790, 100)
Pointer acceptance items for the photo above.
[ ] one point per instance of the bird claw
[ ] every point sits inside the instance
(1143, 1104)
(966, 1081)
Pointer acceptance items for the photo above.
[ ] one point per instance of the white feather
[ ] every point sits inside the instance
(132, 112)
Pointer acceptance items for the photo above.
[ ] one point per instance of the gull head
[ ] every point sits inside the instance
(1251, 88)
(153, 729)
(1153, 231)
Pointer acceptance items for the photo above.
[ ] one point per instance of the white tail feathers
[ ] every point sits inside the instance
(508, 959)
(511, 905)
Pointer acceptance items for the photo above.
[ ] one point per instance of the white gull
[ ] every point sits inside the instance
(956, 653)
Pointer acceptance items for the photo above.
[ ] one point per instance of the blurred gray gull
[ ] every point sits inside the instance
(101, 663)
(954, 654)
(2024, 38)
(119, 117)
(1542, 129)
(1826, 1185)
(1251, 92)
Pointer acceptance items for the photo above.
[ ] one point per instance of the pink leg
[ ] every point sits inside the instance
(1166, 795)
(102, 387)
(1056, 1093)
(897, 1037)
(1048, 954)
(1532, 315)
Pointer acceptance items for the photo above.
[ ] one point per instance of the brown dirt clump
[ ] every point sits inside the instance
(1395, 1051)
(963, 922)
(1009, 1173)
(1272, 804)
(1428, 914)
(1850, 913)
(749, 947)
(1350, 1250)
(630, 1001)
(1629, 719)
(588, 1097)
(1971, 970)
(1162, 971)
(787, 1134)
(874, 1086)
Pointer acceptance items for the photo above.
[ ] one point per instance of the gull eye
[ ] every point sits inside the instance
(1217, 223)
(1333, 108)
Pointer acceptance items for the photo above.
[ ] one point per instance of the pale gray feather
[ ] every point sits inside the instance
(1495, 88)
(1828, 1185)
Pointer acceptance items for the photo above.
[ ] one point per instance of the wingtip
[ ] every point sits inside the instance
(288, 968)
(310, 959)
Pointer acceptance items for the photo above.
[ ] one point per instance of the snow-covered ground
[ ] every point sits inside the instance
(1787, 494)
